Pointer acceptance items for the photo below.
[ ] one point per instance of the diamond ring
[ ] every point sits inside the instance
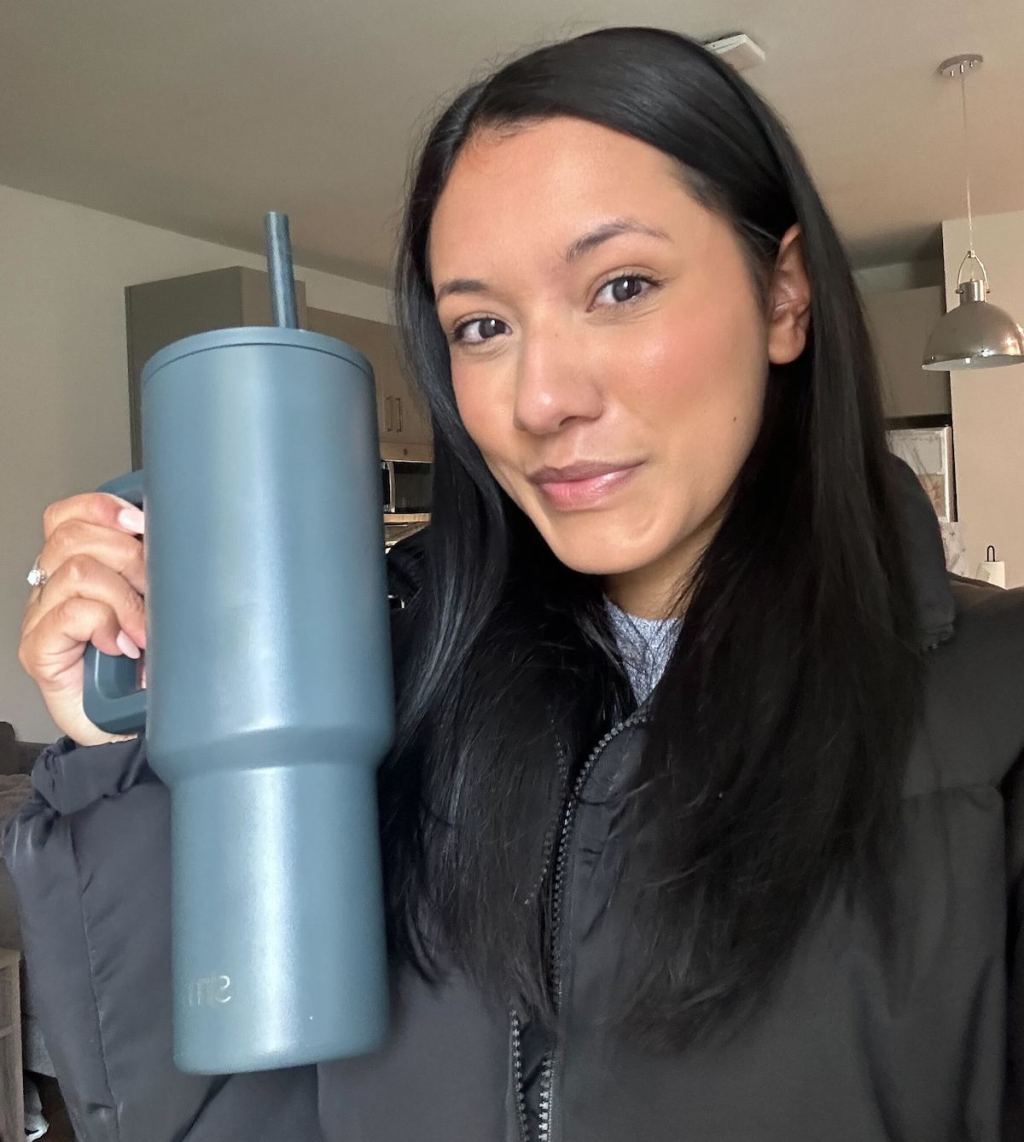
(37, 576)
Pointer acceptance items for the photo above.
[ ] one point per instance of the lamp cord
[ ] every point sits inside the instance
(967, 159)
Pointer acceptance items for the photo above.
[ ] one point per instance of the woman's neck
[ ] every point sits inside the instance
(650, 592)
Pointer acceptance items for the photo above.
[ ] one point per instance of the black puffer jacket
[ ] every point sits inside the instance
(917, 1039)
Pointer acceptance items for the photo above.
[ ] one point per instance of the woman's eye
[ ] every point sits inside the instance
(478, 330)
(626, 287)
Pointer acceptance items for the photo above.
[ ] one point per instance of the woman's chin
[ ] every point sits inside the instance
(598, 558)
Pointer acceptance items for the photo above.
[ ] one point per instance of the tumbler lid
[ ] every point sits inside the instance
(255, 335)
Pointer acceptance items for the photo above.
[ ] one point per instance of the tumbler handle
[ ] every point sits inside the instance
(111, 696)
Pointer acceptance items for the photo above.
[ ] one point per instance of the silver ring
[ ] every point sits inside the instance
(37, 577)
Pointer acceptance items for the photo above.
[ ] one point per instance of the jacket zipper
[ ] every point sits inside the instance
(547, 1080)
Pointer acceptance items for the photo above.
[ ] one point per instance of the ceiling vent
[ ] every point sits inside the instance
(740, 51)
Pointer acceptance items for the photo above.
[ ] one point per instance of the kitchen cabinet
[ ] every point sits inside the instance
(900, 322)
(401, 417)
(160, 312)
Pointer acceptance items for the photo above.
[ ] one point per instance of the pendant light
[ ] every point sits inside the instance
(974, 334)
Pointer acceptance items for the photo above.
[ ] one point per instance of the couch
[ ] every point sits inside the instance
(16, 759)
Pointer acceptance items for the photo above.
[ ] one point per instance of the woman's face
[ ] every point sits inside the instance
(609, 352)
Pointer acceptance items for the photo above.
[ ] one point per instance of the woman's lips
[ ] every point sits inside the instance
(587, 492)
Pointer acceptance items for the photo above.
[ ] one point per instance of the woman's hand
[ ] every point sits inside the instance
(94, 592)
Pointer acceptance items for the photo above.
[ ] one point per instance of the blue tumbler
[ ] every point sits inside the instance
(269, 701)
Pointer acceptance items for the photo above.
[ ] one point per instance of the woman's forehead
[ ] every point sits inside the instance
(547, 184)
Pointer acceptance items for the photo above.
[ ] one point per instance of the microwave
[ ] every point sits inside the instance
(405, 478)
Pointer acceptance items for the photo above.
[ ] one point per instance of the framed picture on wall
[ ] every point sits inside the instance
(929, 452)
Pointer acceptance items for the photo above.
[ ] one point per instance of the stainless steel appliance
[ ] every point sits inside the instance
(405, 472)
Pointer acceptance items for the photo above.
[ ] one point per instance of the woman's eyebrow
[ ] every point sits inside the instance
(576, 249)
(459, 285)
(593, 238)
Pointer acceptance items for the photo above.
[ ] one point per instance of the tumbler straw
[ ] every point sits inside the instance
(279, 269)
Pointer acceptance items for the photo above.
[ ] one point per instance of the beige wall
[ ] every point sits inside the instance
(988, 406)
(63, 375)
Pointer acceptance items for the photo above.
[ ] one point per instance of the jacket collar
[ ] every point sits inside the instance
(926, 559)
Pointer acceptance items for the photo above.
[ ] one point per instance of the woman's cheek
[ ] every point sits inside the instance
(661, 376)
(712, 368)
(467, 404)
(481, 415)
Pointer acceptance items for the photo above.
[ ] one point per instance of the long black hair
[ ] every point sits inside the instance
(776, 740)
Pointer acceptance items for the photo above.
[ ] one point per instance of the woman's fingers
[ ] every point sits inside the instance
(74, 538)
(94, 593)
(58, 640)
(99, 508)
(84, 577)
(53, 656)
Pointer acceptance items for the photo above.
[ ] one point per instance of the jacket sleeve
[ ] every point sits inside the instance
(89, 855)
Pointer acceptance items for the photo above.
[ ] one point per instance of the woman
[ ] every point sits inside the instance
(775, 895)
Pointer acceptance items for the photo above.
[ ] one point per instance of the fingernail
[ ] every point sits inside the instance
(131, 519)
(127, 646)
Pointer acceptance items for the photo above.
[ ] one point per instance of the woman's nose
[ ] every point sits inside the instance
(554, 384)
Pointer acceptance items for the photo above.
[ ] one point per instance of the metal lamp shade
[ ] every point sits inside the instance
(974, 335)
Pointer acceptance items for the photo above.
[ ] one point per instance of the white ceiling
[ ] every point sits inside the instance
(199, 115)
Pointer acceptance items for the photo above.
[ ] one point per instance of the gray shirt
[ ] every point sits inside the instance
(645, 646)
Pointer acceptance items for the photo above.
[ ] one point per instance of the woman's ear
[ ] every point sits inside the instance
(789, 305)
